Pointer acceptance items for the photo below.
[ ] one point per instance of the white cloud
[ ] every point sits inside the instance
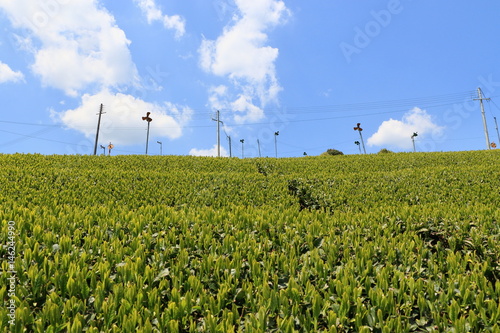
(75, 43)
(122, 122)
(218, 97)
(8, 75)
(397, 133)
(153, 13)
(209, 152)
(241, 55)
(251, 113)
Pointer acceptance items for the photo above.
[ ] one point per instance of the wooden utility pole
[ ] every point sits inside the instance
(218, 132)
(97, 132)
(480, 99)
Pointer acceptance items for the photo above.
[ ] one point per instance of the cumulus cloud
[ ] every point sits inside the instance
(249, 112)
(240, 53)
(243, 108)
(218, 97)
(397, 133)
(122, 123)
(153, 13)
(212, 152)
(75, 43)
(8, 75)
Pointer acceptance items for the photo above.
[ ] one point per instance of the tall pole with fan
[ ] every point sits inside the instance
(359, 129)
(149, 120)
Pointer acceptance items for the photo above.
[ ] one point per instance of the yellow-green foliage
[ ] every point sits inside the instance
(392, 243)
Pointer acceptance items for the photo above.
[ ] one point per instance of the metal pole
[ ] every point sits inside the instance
(230, 147)
(480, 99)
(359, 129)
(110, 146)
(147, 139)
(161, 147)
(413, 140)
(97, 133)
(148, 119)
(258, 144)
(242, 148)
(362, 141)
(218, 133)
(496, 125)
(276, 143)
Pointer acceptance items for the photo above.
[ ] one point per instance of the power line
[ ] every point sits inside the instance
(353, 110)
(45, 139)
(25, 137)
(494, 103)
(205, 126)
(58, 141)
(432, 101)
(411, 102)
(30, 124)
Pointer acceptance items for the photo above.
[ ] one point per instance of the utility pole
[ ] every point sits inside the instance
(218, 132)
(98, 126)
(359, 129)
(496, 125)
(258, 144)
(276, 143)
(242, 148)
(480, 99)
(149, 120)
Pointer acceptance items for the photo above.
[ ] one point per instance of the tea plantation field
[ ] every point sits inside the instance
(374, 243)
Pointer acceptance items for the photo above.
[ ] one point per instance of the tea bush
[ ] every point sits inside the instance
(391, 243)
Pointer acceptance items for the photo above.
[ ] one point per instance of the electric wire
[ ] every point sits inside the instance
(25, 137)
(492, 101)
(28, 136)
(443, 100)
(394, 106)
(43, 139)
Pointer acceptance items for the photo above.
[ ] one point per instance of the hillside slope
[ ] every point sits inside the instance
(383, 243)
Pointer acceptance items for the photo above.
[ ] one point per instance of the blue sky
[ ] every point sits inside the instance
(310, 70)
